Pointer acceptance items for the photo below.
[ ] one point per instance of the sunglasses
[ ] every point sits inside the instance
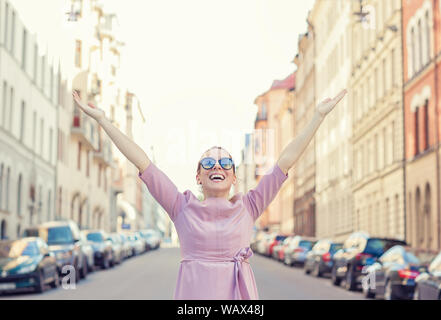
(209, 163)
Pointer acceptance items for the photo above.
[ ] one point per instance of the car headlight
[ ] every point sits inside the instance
(27, 269)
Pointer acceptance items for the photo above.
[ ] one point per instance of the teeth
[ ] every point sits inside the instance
(215, 176)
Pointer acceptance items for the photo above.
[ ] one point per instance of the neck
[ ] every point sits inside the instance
(216, 194)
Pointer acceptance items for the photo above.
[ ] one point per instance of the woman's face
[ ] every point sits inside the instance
(205, 177)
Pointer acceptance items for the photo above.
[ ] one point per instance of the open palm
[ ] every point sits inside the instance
(90, 109)
(328, 104)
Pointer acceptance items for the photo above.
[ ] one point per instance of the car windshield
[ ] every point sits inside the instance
(335, 247)
(411, 258)
(15, 249)
(306, 244)
(377, 247)
(95, 237)
(58, 235)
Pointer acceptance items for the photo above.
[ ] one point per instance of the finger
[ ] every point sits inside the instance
(340, 95)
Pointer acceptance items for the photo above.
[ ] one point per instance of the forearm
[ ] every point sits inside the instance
(128, 148)
(295, 148)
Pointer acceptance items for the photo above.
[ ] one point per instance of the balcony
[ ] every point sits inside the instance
(104, 154)
(84, 129)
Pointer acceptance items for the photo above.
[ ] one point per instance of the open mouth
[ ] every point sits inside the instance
(217, 177)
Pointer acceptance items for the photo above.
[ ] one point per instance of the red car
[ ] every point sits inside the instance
(277, 240)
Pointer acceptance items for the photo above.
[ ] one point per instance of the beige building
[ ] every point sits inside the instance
(268, 142)
(304, 169)
(377, 119)
(28, 124)
(333, 149)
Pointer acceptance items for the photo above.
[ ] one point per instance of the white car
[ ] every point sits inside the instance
(152, 237)
(136, 243)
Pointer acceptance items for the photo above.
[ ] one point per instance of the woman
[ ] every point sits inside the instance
(214, 233)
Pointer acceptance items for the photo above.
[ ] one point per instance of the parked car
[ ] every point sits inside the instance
(428, 283)
(137, 245)
(393, 275)
(279, 249)
(319, 259)
(126, 245)
(257, 236)
(152, 238)
(359, 251)
(102, 248)
(262, 244)
(277, 239)
(87, 249)
(27, 263)
(117, 247)
(63, 239)
(299, 246)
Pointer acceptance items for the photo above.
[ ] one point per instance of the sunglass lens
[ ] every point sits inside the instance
(226, 163)
(208, 163)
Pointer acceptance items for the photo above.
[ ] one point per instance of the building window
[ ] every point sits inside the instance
(60, 201)
(19, 187)
(412, 36)
(13, 34)
(6, 24)
(385, 147)
(8, 173)
(49, 205)
(24, 50)
(35, 62)
(34, 130)
(11, 108)
(416, 146)
(23, 120)
(43, 73)
(426, 125)
(427, 37)
(420, 44)
(99, 175)
(41, 136)
(4, 103)
(50, 145)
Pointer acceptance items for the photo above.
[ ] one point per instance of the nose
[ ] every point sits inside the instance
(217, 166)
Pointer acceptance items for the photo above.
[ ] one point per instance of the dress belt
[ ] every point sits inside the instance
(241, 291)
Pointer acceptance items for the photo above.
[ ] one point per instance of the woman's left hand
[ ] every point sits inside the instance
(328, 104)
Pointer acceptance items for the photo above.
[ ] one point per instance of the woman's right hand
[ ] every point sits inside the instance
(89, 109)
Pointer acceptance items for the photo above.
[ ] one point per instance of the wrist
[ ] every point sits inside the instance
(319, 115)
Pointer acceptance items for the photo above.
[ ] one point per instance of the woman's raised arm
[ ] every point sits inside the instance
(295, 148)
(128, 148)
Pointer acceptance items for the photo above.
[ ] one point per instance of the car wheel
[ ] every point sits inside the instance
(306, 269)
(366, 287)
(416, 293)
(106, 264)
(288, 261)
(334, 278)
(388, 292)
(350, 283)
(40, 282)
(84, 269)
(317, 272)
(56, 282)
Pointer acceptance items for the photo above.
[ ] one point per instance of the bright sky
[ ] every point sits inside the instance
(196, 65)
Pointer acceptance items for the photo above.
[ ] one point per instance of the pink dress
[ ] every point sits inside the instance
(214, 236)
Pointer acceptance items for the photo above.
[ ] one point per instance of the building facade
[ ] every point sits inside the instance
(377, 119)
(421, 38)
(333, 148)
(28, 124)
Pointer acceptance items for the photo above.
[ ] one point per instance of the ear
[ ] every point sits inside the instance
(197, 179)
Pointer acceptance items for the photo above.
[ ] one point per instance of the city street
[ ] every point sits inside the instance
(153, 276)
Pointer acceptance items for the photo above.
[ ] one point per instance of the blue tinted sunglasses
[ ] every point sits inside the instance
(209, 163)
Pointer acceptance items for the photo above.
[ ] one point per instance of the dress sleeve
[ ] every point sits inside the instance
(258, 199)
(163, 190)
